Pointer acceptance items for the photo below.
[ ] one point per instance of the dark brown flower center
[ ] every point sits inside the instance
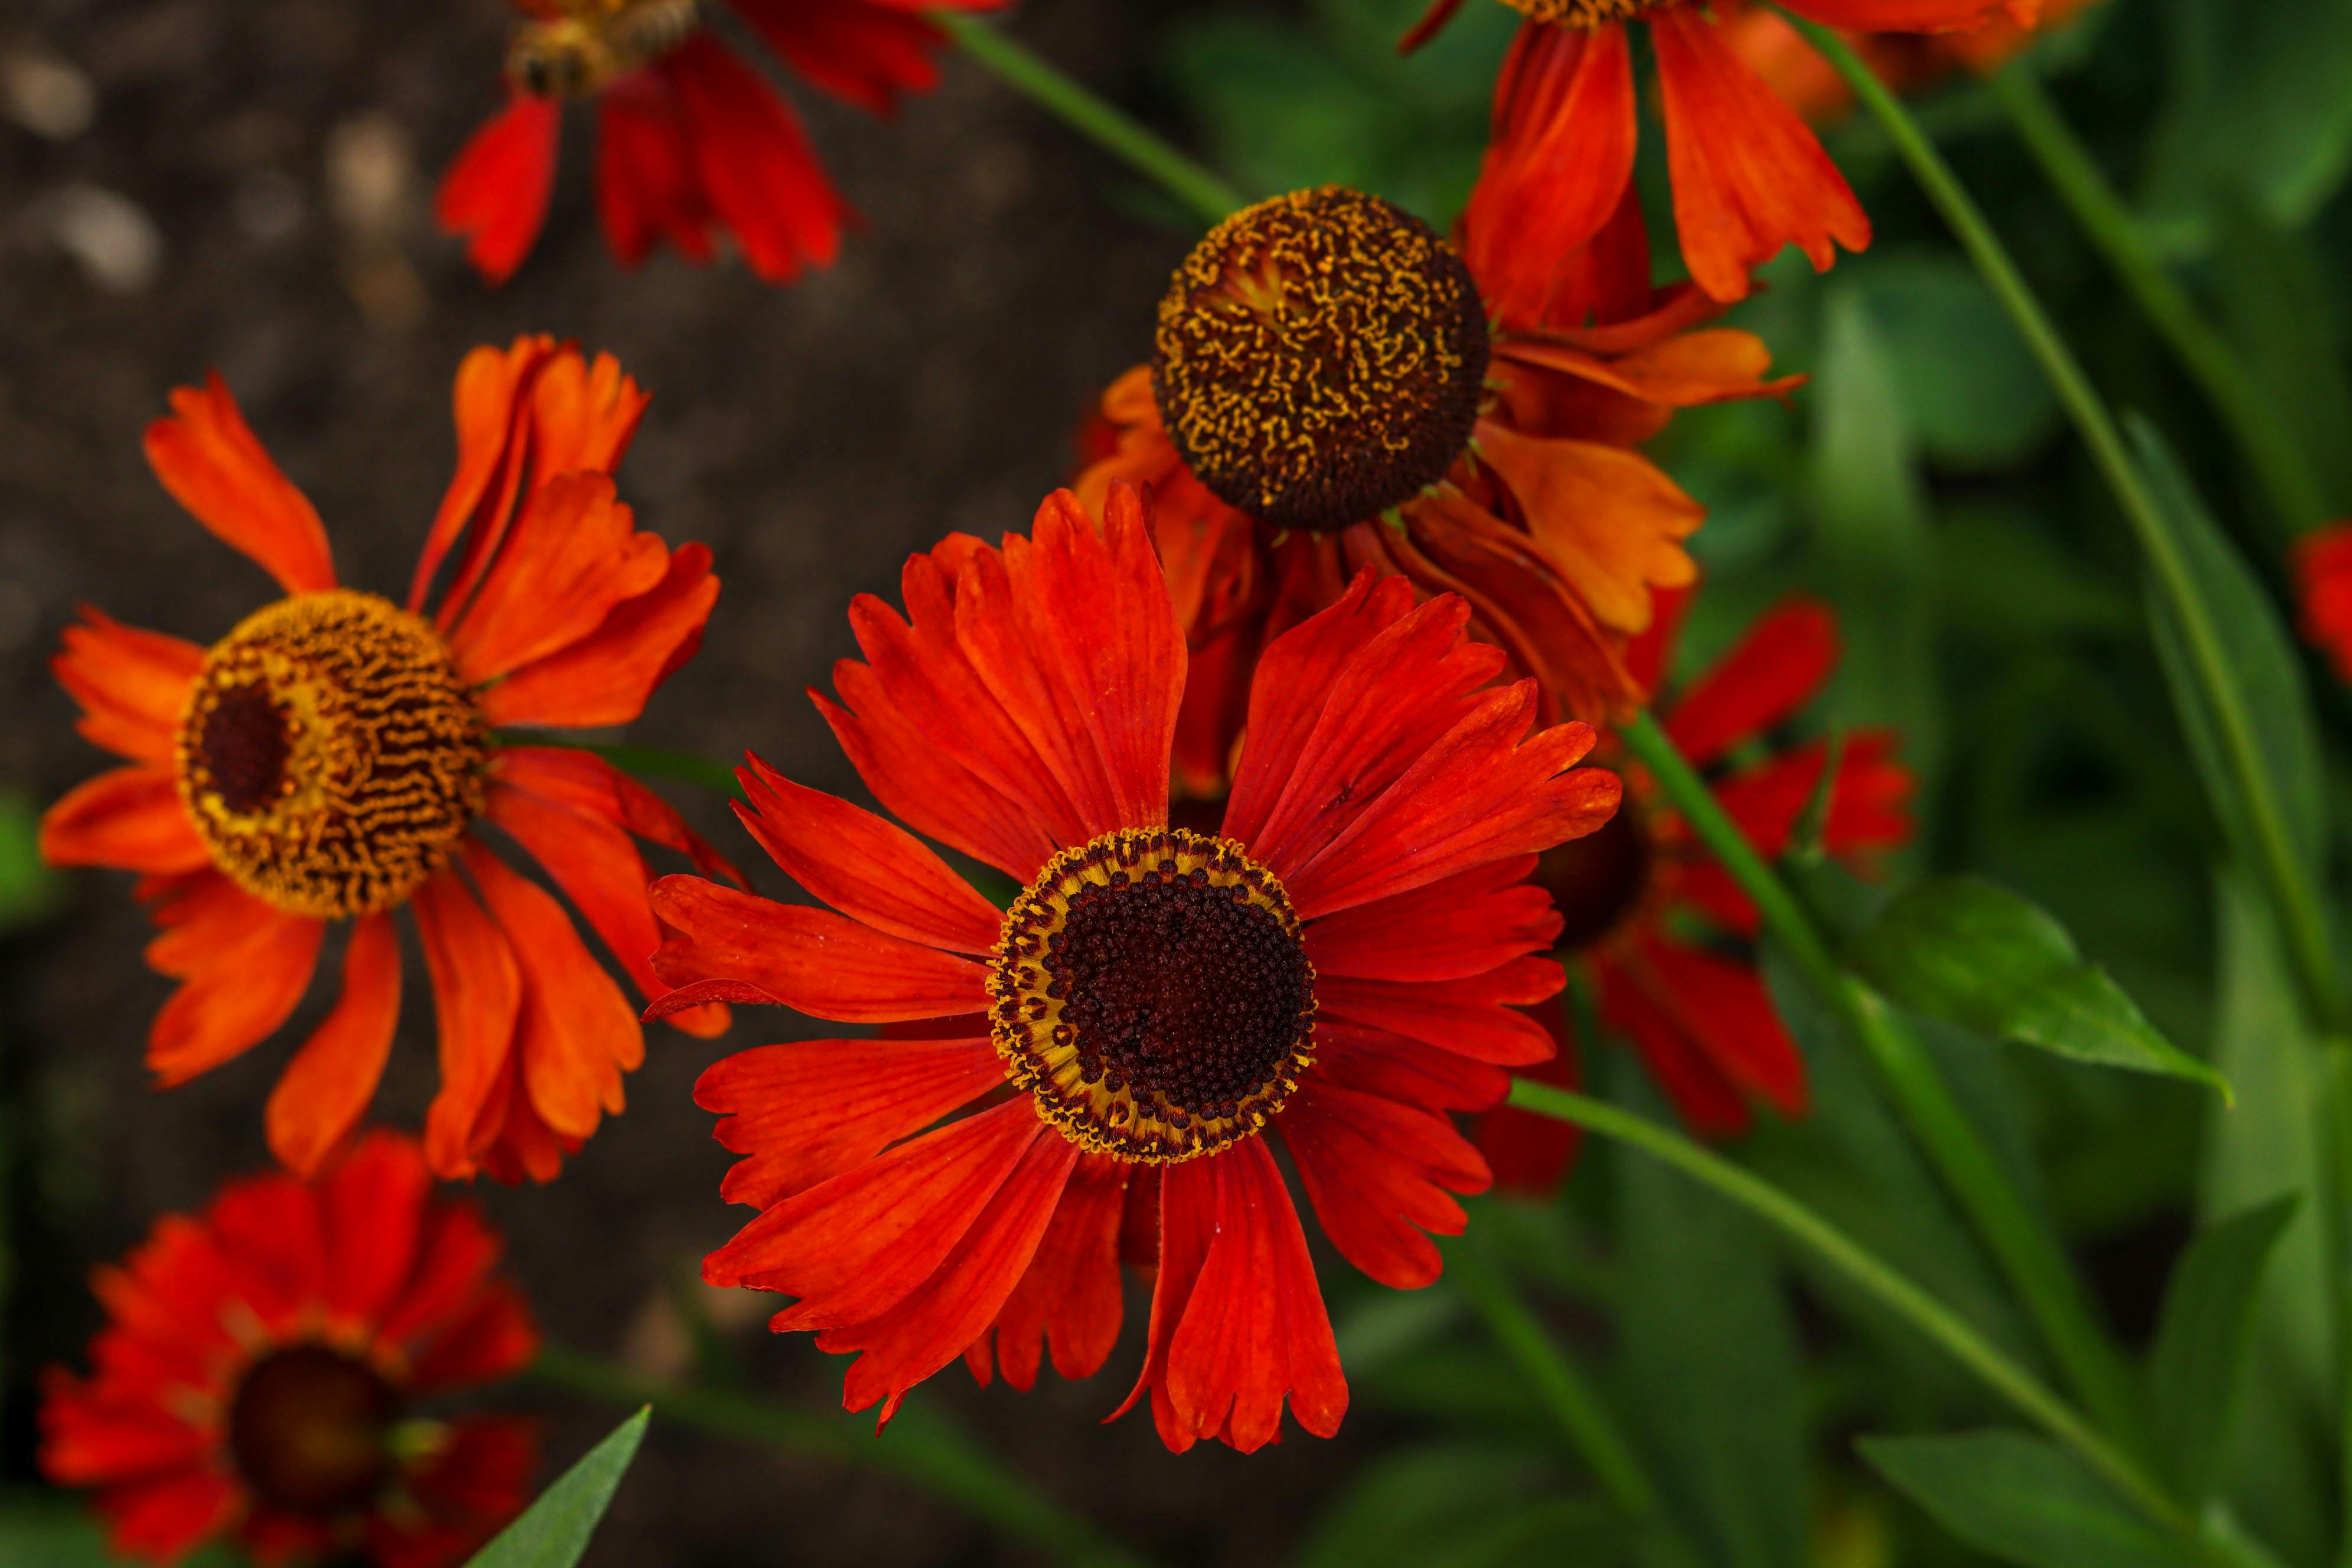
(1587, 14)
(310, 1429)
(1320, 358)
(1600, 879)
(1151, 988)
(330, 755)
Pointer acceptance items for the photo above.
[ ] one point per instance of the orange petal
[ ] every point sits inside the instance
(1611, 518)
(491, 410)
(477, 997)
(210, 462)
(606, 676)
(326, 1087)
(130, 818)
(236, 1001)
(132, 684)
(574, 555)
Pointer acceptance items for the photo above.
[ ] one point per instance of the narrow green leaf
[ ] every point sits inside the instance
(2258, 110)
(2204, 1336)
(1711, 1368)
(2024, 1501)
(1970, 951)
(553, 1531)
(2264, 673)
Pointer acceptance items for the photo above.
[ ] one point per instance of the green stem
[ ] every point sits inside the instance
(2285, 879)
(1554, 1378)
(1207, 196)
(921, 1446)
(2020, 1240)
(2278, 460)
(1875, 1277)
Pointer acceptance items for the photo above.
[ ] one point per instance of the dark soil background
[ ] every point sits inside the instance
(252, 193)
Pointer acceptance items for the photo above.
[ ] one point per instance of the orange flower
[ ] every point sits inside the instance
(256, 1376)
(2323, 570)
(1340, 401)
(1748, 178)
(1660, 929)
(329, 760)
(1336, 964)
(1905, 61)
(689, 139)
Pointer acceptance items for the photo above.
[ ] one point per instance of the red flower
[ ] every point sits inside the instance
(257, 1372)
(1511, 479)
(1340, 966)
(1662, 931)
(689, 138)
(1748, 177)
(2322, 568)
(330, 758)
(1905, 61)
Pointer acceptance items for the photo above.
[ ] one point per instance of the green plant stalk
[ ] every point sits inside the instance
(1204, 192)
(2020, 1387)
(2292, 894)
(2277, 458)
(921, 1446)
(1587, 1421)
(2030, 1257)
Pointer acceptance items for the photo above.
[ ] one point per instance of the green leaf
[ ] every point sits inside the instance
(553, 1531)
(2023, 1500)
(1970, 951)
(2205, 1334)
(1710, 1365)
(1974, 398)
(1430, 1504)
(2258, 658)
(2258, 110)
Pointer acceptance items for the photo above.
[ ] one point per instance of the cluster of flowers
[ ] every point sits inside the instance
(1281, 718)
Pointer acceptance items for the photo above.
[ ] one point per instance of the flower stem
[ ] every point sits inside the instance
(1875, 1277)
(2277, 458)
(2029, 1254)
(2285, 880)
(921, 1446)
(1204, 192)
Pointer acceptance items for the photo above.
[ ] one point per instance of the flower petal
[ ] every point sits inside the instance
(1070, 1298)
(374, 1203)
(476, 999)
(822, 964)
(805, 1111)
(326, 1087)
(1477, 1017)
(1466, 924)
(235, 1001)
(864, 53)
(607, 677)
(1774, 670)
(647, 185)
(555, 580)
(496, 194)
(1609, 517)
(758, 170)
(211, 462)
(133, 685)
(1378, 1174)
(130, 818)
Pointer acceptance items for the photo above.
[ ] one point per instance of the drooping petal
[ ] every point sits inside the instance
(133, 685)
(805, 1111)
(210, 460)
(1379, 1173)
(1255, 1335)
(496, 194)
(1380, 1061)
(326, 1087)
(235, 1001)
(1070, 1300)
(1748, 177)
(477, 998)
(646, 185)
(607, 677)
(757, 169)
(1772, 671)
(869, 869)
(1611, 519)
(863, 53)
(129, 818)
(824, 964)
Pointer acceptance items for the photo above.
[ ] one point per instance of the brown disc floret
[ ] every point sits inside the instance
(1320, 358)
(310, 1429)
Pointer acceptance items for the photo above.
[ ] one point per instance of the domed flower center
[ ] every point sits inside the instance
(1320, 358)
(584, 45)
(1152, 991)
(310, 1429)
(330, 756)
(1601, 879)
(1587, 14)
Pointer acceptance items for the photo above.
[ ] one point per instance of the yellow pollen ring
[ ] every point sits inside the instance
(331, 756)
(1208, 938)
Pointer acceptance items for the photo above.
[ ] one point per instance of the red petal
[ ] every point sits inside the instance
(211, 462)
(128, 817)
(646, 185)
(1477, 1017)
(477, 998)
(326, 1087)
(1630, 1003)
(1464, 925)
(2322, 568)
(822, 964)
(496, 194)
(374, 1203)
(1775, 670)
(163, 1518)
(1378, 1174)
(1748, 177)
(493, 1338)
(855, 50)
(1899, 15)
(758, 171)
(1529, 1154)
(133, 685)
(1254, 1332)
(871, 870)
(1411, 1072)
(1070, 1296)
(805, 1111)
